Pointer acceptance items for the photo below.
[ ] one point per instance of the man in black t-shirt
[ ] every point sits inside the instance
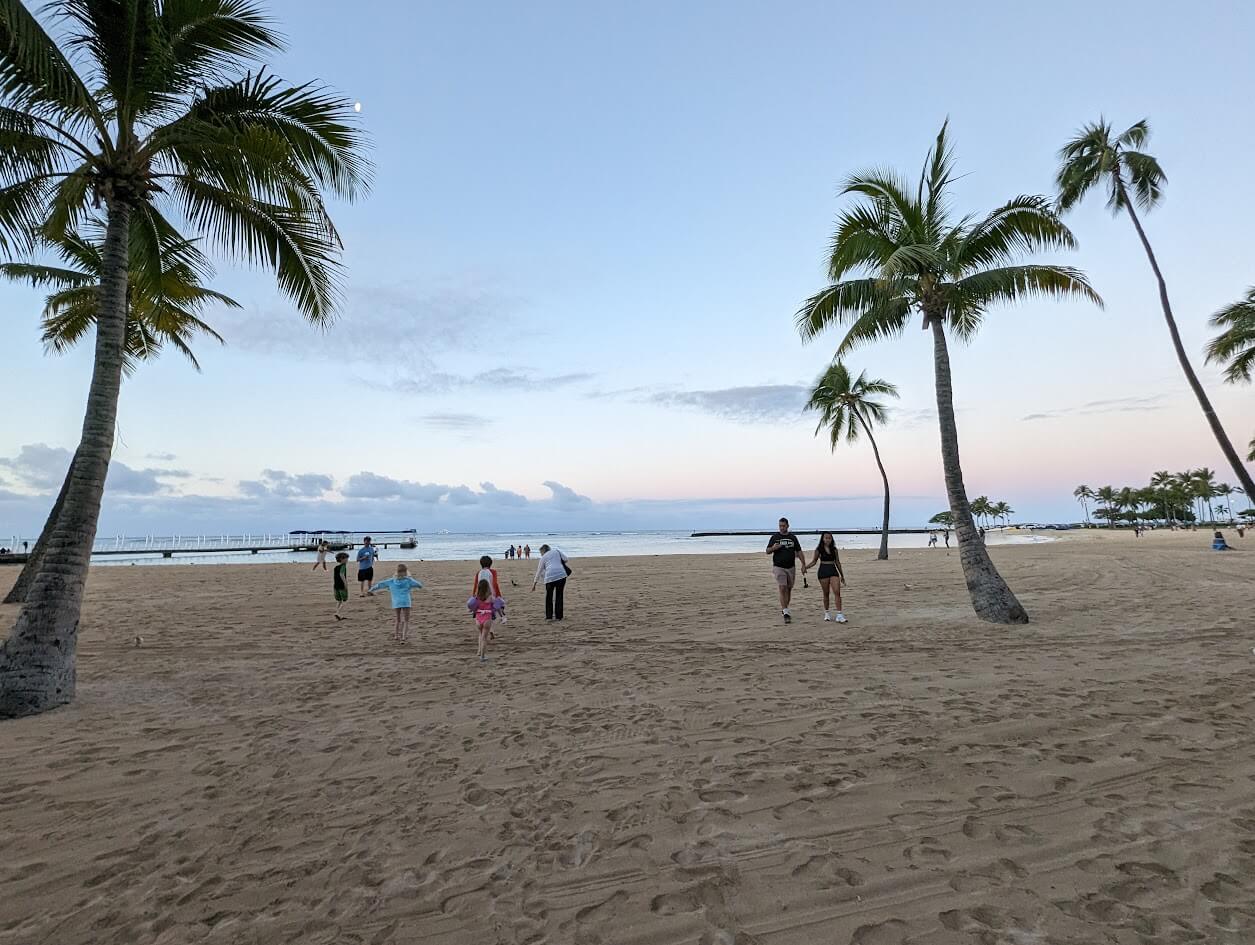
(786, 552)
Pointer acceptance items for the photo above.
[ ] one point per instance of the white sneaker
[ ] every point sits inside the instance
(840, 617)
(502, 618)
(827, 616)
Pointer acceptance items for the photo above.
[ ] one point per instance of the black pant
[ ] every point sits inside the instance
(553, 599)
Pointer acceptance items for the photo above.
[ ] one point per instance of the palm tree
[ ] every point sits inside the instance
(1203, 483)
(1225, 491)
(1110, 502)
(981, 507)
(139, 110)
(163, 307)
(1099, 157)
(942, 518)
(899, 251)
(1084, 494)
(1236, 344)
(1001, 510)
(846, 406)
(1161, 484)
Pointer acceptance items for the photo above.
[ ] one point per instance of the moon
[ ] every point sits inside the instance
(357, 106)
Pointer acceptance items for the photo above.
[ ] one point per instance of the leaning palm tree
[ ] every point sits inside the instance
(847, 406)
(1083, 494)
(899, 250)
(134, 109)
(1098, 157)
(162, 308)
(1235, 345)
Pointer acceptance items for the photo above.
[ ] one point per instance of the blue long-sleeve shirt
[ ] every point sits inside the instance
(400, 589)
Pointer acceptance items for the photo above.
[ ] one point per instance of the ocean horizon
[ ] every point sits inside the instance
(204, 549)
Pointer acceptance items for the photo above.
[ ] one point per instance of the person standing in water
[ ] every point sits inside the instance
(784, 549)
(831, 574)
(322, 554)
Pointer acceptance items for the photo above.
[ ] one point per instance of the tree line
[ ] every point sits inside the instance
(1172, 498)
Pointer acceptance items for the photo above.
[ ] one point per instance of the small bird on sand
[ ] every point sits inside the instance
(139, 641)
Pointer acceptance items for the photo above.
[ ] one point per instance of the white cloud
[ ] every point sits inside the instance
(566, 499)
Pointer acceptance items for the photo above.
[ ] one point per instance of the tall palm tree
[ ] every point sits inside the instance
(1084, 494)
(1161, 484)
(1235, 345)
(847, 406)
(1225, 491)
(1098, 157)
(163, 307)
(899, 250)
(1001, 510)
(136, 109)
(981, 507)
(1203, 482)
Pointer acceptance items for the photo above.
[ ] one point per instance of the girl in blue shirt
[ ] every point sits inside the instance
(400, 587)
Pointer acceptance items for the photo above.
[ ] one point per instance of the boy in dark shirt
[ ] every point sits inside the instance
(785, 551)
(340, 581)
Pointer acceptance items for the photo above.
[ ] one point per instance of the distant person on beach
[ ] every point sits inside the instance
(322, 555)
(488, 573)
(932, 539)
(982, 534)
(400, 587)
(946, 535)
(831, 574)
(553, 571)
(483, 607)
(527, 551)
(1219, 544)
(340, 581)
(784, 549)
(1241, 531)
(366, 557)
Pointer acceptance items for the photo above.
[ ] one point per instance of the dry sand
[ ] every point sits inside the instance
(670, 765)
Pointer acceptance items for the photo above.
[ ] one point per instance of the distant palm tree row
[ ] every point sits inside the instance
(1171, 498)
(985, 512)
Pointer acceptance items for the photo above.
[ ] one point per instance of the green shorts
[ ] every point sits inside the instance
(342, 594)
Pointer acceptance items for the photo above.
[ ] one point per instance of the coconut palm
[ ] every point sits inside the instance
(1203, 484)
(899, 250)
(1235, 345)
(847, 406)
(1001, 510)
(136, 108)
(1110, 504)
(1098, 157)
(162, 307)
(1225, 491)
(942, 518)
(981, 507)
(1084, 494)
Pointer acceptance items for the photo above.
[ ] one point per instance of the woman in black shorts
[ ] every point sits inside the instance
(831, 577)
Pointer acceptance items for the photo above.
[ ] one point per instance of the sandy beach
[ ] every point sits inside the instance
(669, 765)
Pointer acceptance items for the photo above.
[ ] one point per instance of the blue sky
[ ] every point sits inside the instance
(590, 228)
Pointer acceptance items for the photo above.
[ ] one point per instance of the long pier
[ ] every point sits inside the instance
(820, 531)
(244, 549)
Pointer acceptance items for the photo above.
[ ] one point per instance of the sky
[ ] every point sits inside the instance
(570, 293)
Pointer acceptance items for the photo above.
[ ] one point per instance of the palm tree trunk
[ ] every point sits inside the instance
(884, 528)
(17, 593)
(1209, 412)
(37, 661)
(992, 599)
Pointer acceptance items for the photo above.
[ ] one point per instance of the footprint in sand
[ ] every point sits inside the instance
(825, 870)
(927, 852)
(892, 932)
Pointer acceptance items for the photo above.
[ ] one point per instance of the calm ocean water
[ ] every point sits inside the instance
(471, 546)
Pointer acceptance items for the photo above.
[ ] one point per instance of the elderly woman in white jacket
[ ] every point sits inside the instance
(553, 572)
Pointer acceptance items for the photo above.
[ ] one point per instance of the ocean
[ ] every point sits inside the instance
(459, 547)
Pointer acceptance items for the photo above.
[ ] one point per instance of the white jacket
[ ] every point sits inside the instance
(551, 567)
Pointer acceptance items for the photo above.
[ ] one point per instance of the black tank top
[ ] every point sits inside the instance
(826, 555)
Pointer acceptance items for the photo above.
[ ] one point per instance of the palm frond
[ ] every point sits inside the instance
(1134, 136)
(886, 320)
(1235, 345)
(207, 38)
(1023, 224)
(41, 276)
(35, 76)
(842, 302)
(889, 190)
(1146, 178)
(300, 246)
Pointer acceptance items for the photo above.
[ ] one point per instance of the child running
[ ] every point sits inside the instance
(340, 582)
(484, 607)
(488, 573)
(400, 587)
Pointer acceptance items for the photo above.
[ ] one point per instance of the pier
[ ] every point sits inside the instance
(819, 531)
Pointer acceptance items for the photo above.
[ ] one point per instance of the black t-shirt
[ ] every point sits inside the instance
(783, 557)
(339, 574)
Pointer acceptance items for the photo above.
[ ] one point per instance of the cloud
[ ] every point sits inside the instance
(502, 497)
(566, 499)
(161, 457)
(369, 485)
(763, 403)
(1145, 404)
(454, 421)
(39, 466)
(42, 468)
(276, 482)
(495, 380)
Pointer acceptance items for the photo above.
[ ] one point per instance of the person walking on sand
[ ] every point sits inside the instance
(784, 549)
(366, 557)
(400, 588)
(946, 536)
(527, 552)
(553, 571)
(483, 607)
(322, 554)
(340, 582)
(932, 539)
(831, 574)
(488, 573)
